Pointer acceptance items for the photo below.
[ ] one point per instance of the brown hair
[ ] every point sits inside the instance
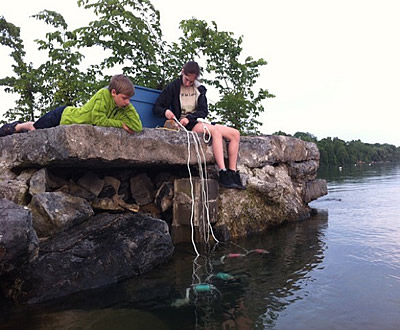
(121, 84)
(191, 67)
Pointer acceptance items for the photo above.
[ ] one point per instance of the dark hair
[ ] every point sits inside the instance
(191, 67)
(121, 84)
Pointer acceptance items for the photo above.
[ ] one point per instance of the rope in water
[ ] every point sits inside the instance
(207, 228)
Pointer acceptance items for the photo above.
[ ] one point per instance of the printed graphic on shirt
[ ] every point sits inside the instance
(188, 99)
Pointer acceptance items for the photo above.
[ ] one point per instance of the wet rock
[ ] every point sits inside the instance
(315, 189)
(79, 259)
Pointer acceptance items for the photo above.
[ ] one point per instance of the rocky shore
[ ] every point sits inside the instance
(83, 206)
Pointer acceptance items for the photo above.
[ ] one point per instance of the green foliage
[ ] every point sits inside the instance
(305, 136)
(334, 152)
(238, 106)
(128, 35)
(26, 82)
(62, 78)
(129, 30)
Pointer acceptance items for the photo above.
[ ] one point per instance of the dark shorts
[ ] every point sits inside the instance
(190, 125)
(50, 119)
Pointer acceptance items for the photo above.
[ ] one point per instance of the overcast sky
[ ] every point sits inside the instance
(334, 66)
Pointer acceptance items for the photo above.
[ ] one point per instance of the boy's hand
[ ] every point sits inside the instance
(126, 128)
(169, 114)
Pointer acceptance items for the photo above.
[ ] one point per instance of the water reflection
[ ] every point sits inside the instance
(358, 172)
(261, 286)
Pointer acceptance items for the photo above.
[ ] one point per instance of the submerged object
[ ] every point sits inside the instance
(232, 256)
(260, 251)
(224, 276)
(203, 287)
(182, 302)
(235, 255)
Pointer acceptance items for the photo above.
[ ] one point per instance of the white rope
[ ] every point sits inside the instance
(204, 191)
(191, 190)
(203, 182)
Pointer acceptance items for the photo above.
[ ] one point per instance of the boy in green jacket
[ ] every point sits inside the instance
(109, 107)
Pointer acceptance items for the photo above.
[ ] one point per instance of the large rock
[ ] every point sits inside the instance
(106, 249)
(279, 170)
(93, 146)
(14, 190)
(39, 182)
(18, 240)
(56, 211)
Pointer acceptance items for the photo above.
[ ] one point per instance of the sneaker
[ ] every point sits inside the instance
(226, 180)
(236, 179)
(8, 129)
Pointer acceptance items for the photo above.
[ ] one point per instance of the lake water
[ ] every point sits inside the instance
(340, 269)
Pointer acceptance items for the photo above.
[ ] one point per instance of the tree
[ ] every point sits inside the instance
(305, 136)
(281, 133)
(26, 82)
(238, 106)
(128, 30)
(63, 80)
(129, 36)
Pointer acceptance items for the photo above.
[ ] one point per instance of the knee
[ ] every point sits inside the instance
(216, 134)
(235, 134)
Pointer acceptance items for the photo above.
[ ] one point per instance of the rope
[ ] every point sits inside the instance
(203, 181)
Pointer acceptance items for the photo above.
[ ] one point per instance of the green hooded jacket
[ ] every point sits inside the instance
(101, 110)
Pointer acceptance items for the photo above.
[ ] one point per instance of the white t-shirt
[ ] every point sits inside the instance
(188, 98)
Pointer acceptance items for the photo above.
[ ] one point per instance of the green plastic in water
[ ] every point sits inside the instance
(224, 276)
(203, 287)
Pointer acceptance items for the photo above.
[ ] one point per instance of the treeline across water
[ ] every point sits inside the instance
(335, 151)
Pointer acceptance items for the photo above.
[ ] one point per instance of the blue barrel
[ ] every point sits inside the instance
(143, 101)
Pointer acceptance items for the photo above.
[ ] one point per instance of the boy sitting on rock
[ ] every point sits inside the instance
(109, 107)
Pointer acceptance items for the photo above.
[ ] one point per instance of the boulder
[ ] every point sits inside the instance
(105, 249)
(56, 211)
(142, 189)
(73, 189)
(164, 196)
(39, 182)
(279, 170)
(18, 240)
(91, 182)
(314, 189)
(14, 190)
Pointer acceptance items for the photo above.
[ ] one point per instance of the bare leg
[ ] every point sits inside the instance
(217, 143)
(218, 133)
(28, 126)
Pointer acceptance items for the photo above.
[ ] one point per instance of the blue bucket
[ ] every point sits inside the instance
(143, 101)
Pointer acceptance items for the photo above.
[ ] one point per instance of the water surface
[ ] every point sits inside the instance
(340, 269)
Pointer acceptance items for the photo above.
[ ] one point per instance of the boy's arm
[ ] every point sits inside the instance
(105, 114)
(132, 119)
(102, 111)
